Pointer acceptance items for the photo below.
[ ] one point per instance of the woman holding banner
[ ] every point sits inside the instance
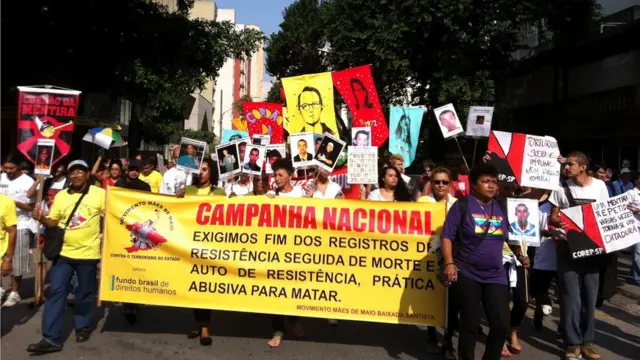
(390, 186)
(440, 183)
(204, 184)
(282, 171)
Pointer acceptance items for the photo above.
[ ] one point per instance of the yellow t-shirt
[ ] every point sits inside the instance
(193, 190)
(8, 218)
(82, 237)
(154, 180)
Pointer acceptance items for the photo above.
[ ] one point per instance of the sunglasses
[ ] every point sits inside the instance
(441, 182)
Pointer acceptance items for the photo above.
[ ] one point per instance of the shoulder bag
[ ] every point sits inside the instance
(54, 237)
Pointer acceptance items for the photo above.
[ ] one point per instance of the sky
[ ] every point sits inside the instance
(266, 14)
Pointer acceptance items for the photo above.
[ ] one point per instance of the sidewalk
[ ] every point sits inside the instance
(627, 285)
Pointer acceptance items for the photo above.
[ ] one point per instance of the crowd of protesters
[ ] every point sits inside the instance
(481, 270)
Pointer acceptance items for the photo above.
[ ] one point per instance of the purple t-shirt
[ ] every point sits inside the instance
(478, 252)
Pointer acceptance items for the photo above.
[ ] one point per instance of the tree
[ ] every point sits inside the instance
(274, 92)
(299, 47)
(237, 106)
(134, 49)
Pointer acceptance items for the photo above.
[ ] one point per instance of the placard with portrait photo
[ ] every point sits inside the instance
(479, 121)
(261, 140)
(330, 149)
(448, 121)
(44, 156)
(191, 155)
(229, 161)
(302, 149)
(524, 221)
(253, 160)
(361, 136)
(273, 152)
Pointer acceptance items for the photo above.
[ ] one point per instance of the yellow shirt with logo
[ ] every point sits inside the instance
(154, 180)
(193, 190)
(8, 218)
(82, 237)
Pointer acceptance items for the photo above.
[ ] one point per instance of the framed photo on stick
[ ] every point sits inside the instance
(44, 156)
(228, 159)
(191, 155)
(448, 121)
(302, 149)
(328, 153)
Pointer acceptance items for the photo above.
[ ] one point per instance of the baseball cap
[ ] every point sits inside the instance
(625, 171)
(77, 163)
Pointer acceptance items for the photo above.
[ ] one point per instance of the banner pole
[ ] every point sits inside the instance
(39, 281)
(461, 153)
(475, 148)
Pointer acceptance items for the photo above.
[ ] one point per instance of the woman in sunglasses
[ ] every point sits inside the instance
(440, 183)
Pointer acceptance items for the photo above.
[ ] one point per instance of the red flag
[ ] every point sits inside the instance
(264, 118)
(359, 92)
(46, 114)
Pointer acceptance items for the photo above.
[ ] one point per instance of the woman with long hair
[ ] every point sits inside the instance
(110, 175)
(391, 187)
(206, 183)
(403, 134)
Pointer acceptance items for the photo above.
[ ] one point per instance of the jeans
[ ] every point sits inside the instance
(635, 266)
(60, 276)
(495, 301)
(578, 282)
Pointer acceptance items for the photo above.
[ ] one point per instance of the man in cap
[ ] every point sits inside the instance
(623, 184)
(80, 254)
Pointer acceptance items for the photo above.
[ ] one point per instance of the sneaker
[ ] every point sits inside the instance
(573, 352)
(333, 322)
(83, 335)
(43, 347)
(12, 299)
(588, 352)
(546, 310)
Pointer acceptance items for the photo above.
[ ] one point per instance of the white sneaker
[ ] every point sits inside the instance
(546, 310)
(12, 299)
(333, 322)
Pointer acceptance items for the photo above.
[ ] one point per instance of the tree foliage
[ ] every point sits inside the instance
(274, 92)
(134, 49)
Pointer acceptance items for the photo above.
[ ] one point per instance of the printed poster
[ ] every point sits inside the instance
(524, 221)
(363, 165)
(239, 124)
(359, 92)
(46, 114)
(265, 118)
(404, 134)
(191, 155)
(601, 227)
(253, 160)
(229, 160)
(310, 104)
(273, 152)
(529, 160)
(361, 136)
(448, 121)
(260, 255)
(44, 160)
(328, 152)
(479, 121)
(302, 149)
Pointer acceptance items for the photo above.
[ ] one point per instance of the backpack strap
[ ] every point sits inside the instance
(569, 195)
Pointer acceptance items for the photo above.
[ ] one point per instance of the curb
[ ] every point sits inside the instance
(630, 294)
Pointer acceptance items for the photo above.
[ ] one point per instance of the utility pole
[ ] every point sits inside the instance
(220, 120)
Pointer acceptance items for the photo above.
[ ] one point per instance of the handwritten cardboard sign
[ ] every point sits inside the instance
(529, 160)
(363, 165)
(601, 227)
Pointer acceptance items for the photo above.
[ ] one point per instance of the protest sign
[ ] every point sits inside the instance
(273, 152)
(359, 93)
(253, 160)
(361, 136)
(160, 163)
(302, 149)
(335, 259)
(261, 140)
(448, 121)
(191, 155)
(601, 227)
(229, 159)
(310, 104)
(44, 160)
(233, 135)
(240, 124)
(328, 152)
(404, 123)
(264, 118)
(363, 165)
(524, 221)
(479, 121)
(528, 160)
(46, 114)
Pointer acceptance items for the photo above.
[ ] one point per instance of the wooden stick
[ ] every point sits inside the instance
(475, 147)
(39, 281)
(523, 247)
(461, 153)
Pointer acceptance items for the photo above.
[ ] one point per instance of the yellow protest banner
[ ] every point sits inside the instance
(310, 104)
(339, 259)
